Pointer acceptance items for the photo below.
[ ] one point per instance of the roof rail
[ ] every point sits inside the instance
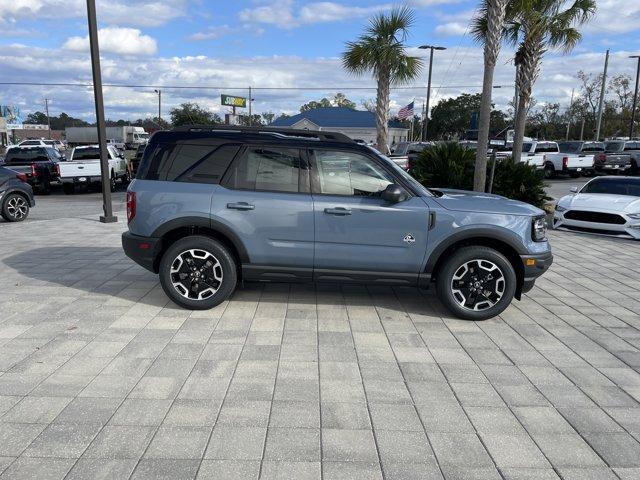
(279, 131)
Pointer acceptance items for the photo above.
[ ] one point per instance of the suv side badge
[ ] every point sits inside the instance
(408, 238)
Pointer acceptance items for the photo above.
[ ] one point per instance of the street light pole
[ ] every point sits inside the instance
(46, 107)
(159, 92)
(426, 116)
(635, 98)
(107, 208)
(601, 103)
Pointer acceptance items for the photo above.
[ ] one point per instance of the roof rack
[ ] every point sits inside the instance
(276, 131)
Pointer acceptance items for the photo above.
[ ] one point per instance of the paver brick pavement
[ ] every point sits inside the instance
(102, 377)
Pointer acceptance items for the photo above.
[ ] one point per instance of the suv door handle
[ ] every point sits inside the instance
(338, 211)
(240, 206)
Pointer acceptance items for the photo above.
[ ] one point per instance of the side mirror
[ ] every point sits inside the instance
(573, 189)
(393, 194)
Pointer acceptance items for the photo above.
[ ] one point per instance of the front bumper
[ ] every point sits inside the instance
(630, 229)
(142, 250)
(534, 266)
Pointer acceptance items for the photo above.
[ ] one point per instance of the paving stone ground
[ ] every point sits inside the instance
(102, 377)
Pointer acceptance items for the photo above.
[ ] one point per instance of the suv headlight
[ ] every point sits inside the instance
(560, 208)
(635, 216)
(539, 229)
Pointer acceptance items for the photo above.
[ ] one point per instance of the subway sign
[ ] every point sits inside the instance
(231, 101)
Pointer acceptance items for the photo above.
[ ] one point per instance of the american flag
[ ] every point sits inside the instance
(406, 112)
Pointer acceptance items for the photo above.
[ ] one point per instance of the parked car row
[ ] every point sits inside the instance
(44, 165)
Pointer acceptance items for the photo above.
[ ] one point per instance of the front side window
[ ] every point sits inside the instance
(266, 168)
(349, 173)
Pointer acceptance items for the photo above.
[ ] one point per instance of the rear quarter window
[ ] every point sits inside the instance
(187, 162)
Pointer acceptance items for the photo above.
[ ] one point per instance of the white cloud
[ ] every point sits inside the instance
(614, 17)
(281, 13)
(212, 33)
(124, 41)
(121, 12)
(456, 71)
(451, 29)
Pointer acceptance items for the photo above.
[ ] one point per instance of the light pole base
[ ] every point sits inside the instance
(111, 219)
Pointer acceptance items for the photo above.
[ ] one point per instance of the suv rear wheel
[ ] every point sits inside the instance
(476, 283)
(198, 272)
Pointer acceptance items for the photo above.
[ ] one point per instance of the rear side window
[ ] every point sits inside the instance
(266, 168)
(185, 162)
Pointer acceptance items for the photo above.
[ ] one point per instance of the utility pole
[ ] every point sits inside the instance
(250, 100)
(107, 208)
(426, 117)
(569, 115)
(46, 107)
(159, 92)
(635, 98)
(582, 130)
(601, 103)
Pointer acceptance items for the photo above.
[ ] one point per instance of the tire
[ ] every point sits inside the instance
(68, 188)
(492, 263)
(549, 172)
(15, 208)
(201, 249)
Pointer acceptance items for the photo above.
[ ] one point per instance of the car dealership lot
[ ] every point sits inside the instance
(101, 376)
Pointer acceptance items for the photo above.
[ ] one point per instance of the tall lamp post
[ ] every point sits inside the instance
(159, 92)
(107, 208)
(635, 98)
(426, 116)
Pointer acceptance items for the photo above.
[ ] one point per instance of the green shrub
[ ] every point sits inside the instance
(519, 181)
(445, 165)
(449, 165)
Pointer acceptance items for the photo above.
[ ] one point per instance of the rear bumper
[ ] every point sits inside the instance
(80, 180)
(142, 250)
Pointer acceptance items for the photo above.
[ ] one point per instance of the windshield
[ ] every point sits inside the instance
(614, 186)
(593, 147)
(614, 146)
(408, 178)
(143, 136)
(400, 149)
(570, 147)
(91, 153)
(21, 155)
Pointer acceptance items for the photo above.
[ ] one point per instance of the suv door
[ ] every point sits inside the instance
(360, 236)
(265, 200)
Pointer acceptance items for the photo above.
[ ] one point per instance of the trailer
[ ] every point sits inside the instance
(128, 135)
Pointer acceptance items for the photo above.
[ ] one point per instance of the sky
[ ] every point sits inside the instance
(287, 50)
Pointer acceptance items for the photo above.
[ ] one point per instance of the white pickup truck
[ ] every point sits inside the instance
(574, 158)
(533, 152)
(83, 168)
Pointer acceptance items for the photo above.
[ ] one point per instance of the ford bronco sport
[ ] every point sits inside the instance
(211, 206)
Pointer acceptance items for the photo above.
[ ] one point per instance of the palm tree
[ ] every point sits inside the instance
(487, 27)
(535, 26)
(381, 50)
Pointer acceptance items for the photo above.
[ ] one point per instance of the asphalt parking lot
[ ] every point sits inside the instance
(102, 377)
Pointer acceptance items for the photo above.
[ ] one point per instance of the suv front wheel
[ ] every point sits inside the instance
(476, 283)
(198, 272)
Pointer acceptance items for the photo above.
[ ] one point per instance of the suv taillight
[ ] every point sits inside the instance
(22, 177)
(131, 206)
(56, 169)
(602, 157)
(565, 162)
(34, 171)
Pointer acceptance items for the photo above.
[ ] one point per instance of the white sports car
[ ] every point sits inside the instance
(606, 205)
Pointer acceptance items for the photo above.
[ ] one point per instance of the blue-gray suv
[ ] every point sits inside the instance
(212, 205)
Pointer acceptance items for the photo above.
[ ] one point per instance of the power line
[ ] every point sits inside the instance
(210, 87)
